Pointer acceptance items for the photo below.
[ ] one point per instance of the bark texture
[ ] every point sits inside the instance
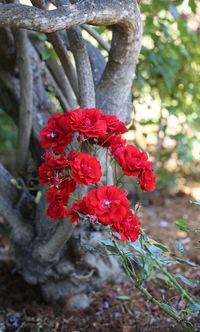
(53, 254)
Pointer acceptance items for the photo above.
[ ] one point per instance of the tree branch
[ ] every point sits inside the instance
(96, 36)
(64, 17)
(10, 95)
(97, 62)
(114, 89)
(62, 81)
(85, 77)
(20, 232)
(68, 67)
(12, 204)
(11, 193)
(61, 98)
(26, 100)
(56, 71)
(61, 51)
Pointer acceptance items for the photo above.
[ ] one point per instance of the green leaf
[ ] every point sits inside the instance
(148, 266)
(182, 225)
(193, 5)
(180, 246)
(45, 54)
(38, 197)
(161, 246)
(162, 276)
(185, 261)
(123, 297)
(194, 307)
(195, 203)
(167, 306)
(108, 243)
(41, 36)
(186, 280)
(49, 53)
(117, 235)
(137, 246)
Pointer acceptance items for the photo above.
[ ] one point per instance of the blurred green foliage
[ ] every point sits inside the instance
(8, 134)
(169, 72)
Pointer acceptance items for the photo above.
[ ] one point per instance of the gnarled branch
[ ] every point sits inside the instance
(61, 51)
(56, 70)
(20, 232)
(68, 67)
(114, 89)
(62, 81)
(85, 77)
(113, 92)
(96, 36)
(61, 98)
(64, 17)
(26, 100)
(11, 212)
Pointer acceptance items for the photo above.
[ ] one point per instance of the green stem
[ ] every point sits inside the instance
(165, 309)
(115, 172)
(152, 299)
(137, 283)
(106, 166)
(119, 179)
(173, 280)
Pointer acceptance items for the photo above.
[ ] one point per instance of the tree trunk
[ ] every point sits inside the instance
(56, 255)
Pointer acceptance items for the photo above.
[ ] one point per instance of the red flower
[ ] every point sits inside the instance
(89, 121)
(132, 160)
(56, 209)
(58, 164)
(114, 125)
(128, 229)
(50, 172)
(57, 134)
(71, 156)
(147, 179)
(78, 208)
(46, 174)
(117, 145)
(53, 194)
(67, 186)
(47, 155)
(86, 169)
(108, 203)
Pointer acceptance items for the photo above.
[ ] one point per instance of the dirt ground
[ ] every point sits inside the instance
(22, 309)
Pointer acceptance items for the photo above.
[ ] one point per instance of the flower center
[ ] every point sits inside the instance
(106, 204)
(52, 135)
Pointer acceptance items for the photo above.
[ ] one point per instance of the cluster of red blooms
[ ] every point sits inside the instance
(64, 168)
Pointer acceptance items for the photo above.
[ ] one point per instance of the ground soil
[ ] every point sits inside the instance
(22, 309)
